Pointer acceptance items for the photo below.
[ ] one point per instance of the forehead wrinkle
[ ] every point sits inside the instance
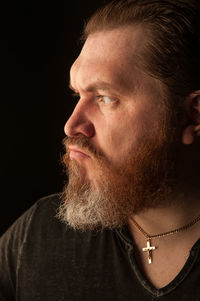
(87, 79)
(100, 61)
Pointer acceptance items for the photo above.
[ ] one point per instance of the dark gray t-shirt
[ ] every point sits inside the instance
(42, 259)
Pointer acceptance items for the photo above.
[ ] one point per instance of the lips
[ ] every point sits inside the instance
(76, 153)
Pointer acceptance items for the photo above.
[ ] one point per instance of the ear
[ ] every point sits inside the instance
(192, 110)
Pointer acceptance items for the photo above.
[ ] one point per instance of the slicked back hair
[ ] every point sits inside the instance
(171, 51)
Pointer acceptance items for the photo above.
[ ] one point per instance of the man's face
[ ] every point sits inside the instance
(118, 105)
(116, 132)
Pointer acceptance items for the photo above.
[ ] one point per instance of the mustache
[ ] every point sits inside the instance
(84, 144)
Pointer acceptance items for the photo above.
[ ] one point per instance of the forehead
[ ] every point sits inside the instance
(112, 44)
(108, 56)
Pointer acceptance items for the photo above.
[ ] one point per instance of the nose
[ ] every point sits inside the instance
(79, 123)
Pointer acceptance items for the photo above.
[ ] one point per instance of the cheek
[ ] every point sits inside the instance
(118, 137)
(121, 132)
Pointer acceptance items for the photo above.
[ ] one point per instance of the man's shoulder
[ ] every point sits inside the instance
(48, 202)
(26, 236)
(39, 216)
(43, 209)
(39, 231)
(41, 219)
(46, 207)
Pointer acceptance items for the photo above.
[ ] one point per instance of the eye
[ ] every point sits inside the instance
(105, 99)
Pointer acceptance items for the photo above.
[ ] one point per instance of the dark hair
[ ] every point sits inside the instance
(172, 49)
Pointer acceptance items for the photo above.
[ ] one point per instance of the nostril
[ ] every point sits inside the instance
(90, 132)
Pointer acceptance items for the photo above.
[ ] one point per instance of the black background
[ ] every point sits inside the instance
(39, 42)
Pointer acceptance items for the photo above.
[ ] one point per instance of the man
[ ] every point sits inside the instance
(127, 224)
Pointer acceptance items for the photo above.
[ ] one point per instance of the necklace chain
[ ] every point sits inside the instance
(148, 236)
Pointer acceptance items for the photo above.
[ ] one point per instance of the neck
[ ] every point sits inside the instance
(182, 207)
(169, 253)
(181, 211)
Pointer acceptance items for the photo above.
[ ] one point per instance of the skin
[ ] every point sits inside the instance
(118, 106)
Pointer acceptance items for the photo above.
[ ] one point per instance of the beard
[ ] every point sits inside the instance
(144, 179)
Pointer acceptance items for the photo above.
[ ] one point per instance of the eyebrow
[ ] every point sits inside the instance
(99, 85)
